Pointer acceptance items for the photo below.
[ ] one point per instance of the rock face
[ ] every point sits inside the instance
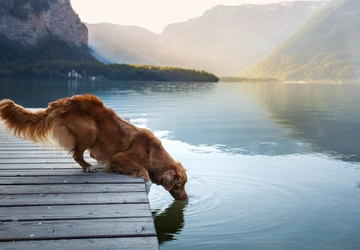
(29, 20)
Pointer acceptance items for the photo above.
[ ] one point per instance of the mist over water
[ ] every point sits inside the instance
(270, 165)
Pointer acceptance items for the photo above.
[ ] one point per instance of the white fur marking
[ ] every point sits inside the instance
(97, 165)
(92, 169)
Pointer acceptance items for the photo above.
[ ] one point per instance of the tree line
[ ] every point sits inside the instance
(52, 58)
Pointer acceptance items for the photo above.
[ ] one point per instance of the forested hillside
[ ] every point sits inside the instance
(325, 49)
(52, 58)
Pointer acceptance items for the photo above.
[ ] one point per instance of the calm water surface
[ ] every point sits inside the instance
(270, 166)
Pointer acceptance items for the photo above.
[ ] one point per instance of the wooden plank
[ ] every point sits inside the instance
(91, 178)
(23, 153)
(30, 147)
(73, 229)
(5, 148)
(21, 147)
(139, 243)
(61, 212)
(73, 199)
(39, 154)
(74, 188)
(22, 143)
(38, 160)
(34, 154)
(12, 138)
(39, 166)
(60, 177)
(77, 171)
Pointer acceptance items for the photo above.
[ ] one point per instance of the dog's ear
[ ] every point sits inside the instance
(168, 179)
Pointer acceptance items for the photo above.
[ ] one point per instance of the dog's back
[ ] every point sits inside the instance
(71, 123)
(37, 125)
(74, 121)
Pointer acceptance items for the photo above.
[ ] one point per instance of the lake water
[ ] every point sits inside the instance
(270, 165)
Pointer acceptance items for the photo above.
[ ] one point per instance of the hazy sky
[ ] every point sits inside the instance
(153, 15)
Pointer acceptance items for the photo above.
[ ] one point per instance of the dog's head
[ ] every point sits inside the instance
(173, 179)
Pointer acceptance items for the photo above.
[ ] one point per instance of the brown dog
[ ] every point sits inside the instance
(83, 123)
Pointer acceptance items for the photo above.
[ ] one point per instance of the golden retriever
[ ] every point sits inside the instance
(81, 123)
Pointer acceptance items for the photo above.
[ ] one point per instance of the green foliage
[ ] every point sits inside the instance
(244, 79)
(47, 48)
(53, 59)
(120, 72)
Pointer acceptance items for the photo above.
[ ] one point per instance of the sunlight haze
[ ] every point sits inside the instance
(153, 15)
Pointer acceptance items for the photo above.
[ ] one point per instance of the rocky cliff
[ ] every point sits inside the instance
(30, 20)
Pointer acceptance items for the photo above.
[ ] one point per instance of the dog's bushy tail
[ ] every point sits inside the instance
(23, 123)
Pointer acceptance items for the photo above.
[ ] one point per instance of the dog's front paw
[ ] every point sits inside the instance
(91, 169)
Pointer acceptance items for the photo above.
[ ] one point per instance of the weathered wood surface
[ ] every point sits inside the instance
(83, 244)
(48, 202)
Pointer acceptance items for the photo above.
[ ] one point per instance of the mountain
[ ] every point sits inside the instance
(45, 39)
(28, 21)
(224, 40)
(41, 30)
(123, 44)
(229, 38)
(326, 48)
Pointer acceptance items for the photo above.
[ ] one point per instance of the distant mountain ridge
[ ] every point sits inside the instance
(224, 40)
(326, 48)
(136, 45)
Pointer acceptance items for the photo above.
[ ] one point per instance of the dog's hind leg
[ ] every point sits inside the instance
(78, 155)
(78, 136)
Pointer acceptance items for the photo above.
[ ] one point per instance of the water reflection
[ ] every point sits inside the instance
(169, 222)
(161, 87)
(38, 93)
(239, 118)
(325, 116)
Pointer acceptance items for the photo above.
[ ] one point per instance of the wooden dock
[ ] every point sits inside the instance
(48, 202)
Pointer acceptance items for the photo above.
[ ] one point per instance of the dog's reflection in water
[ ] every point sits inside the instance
(170, 222)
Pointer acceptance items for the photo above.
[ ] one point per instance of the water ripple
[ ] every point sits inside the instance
(244, 205)
(232, 208)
